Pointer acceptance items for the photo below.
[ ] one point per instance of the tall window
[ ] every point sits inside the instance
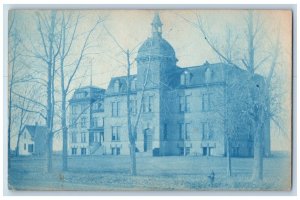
(115, 136)
(83, 151)
(133, 85)
(84, 109)
(206, 132)
(185, 131)
(117, 86)
(95, 122)
(148, 104)
(206, 102)
(185, 103)
(133, 107)
(185, 78)
(188, 103)
(96, 136)
(74, 123)
(188, 131)
(83, 137)
(83, 122)
(115, 151)
(74, 110)
(165, 131)
(181, 131)
(74, 138)
(115, 109)
(74, 151)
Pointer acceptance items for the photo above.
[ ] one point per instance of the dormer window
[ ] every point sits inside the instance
(208, 74)
(133, 84)
(117, 86)
(81, 95)
(185, 78)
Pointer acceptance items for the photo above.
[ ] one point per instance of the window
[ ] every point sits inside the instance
(80, 95)
(208, 75)
(74, 110)
(165, 131)
(148, 104)
(188, 131)
(24, 146)
(95, 122)
(133, 106)
(84, 109)
(181, 131)
(98, 106)
(115, 151)
(185, 131)
(74, 123)
(83, 137)
(133, 85)
(74, 138)
(185, 103)
(117, 86)
(115, 109)
(185, 78)
(83, 151)
(115, 133)
(83, 122)
(25, 135)
(206, 133)
(206, 104)
(96, 136)
(187, 151)
(30, 148)
(74, 151)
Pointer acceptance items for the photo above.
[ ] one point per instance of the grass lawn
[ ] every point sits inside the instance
(154, 173)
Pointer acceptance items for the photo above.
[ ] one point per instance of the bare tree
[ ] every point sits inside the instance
(69, 35)
(47, 53)
(132, 126)
(258, 110)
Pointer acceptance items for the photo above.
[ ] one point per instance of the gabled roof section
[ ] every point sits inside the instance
(36, 130)
(122, 81)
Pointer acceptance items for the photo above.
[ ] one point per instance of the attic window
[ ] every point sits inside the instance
(117, 86)
(80, 95)
(185, 78)
(208, 74)
(133, 84)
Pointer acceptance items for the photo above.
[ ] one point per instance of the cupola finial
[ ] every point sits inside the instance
(156, 26)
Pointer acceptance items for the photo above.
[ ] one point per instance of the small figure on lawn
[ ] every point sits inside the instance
(211, 177)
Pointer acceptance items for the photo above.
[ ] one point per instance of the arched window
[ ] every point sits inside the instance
(208, 74)
(117, 86)
(185, 78)
(133, 84)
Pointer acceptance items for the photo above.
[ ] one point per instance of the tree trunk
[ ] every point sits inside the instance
(258, 157)
(228, 158)
(133, 159)
(65, 132)
(49, 154)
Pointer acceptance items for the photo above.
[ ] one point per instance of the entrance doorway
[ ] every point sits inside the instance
(206, 151)
(147, 140)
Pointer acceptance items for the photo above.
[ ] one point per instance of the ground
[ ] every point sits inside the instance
(154, 173)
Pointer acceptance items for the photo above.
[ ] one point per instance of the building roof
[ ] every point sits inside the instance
(36, 130)
(87, 93)
(122, 85)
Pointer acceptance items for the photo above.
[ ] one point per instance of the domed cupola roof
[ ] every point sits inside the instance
(156, 46)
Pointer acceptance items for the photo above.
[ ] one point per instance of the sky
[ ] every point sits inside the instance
(130, 28)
